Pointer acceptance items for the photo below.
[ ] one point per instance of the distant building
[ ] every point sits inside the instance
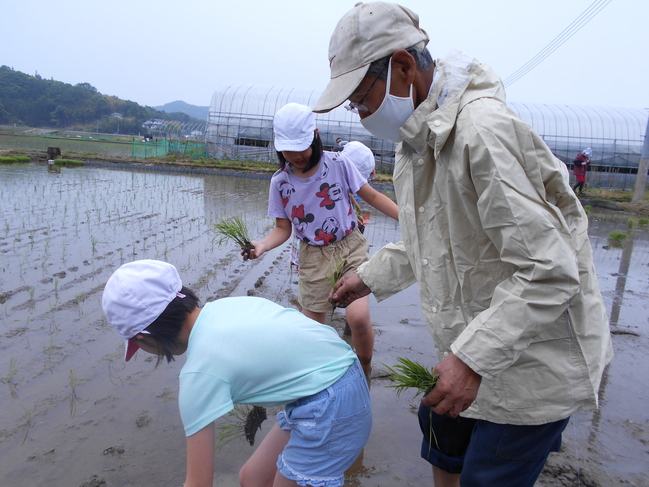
(154, 124)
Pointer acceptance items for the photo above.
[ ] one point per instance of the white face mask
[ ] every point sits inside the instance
(386, 121)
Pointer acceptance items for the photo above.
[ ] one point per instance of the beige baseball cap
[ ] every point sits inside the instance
(368, 32)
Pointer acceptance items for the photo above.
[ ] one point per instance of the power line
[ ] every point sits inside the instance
(576, 25)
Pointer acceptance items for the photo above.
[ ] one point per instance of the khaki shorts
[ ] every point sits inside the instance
(316, 262)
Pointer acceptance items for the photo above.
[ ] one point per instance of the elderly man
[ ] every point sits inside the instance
(496, 240)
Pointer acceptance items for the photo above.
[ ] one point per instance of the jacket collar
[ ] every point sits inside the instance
(458, 81)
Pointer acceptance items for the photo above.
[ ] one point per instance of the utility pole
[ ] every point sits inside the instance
(641, 178)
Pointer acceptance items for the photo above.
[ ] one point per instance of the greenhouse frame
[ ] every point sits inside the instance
(240, 127)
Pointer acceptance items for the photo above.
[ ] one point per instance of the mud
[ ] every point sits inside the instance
(74, 414)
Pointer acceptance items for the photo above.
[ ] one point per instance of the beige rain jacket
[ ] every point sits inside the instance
(498, 243)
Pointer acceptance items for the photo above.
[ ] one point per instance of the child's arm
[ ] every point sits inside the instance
(280, 234)
(379, 201)
(200, 458)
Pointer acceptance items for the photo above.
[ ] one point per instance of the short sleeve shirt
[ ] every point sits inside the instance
(248, 350)
(319, 207)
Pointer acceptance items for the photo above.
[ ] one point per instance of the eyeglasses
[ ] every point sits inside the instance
(358, 106)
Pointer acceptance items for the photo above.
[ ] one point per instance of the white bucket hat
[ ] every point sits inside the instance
(361, 156)
(294, 128)
(367, 33)
(136, 294)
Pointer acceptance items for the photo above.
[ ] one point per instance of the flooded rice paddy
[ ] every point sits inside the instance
(74, 414)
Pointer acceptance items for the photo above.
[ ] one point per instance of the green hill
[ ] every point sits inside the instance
(180, 106)
(36, 102)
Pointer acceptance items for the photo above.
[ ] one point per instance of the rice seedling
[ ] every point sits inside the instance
(28, 420)
(10, 378)
(235, 229)
(643, 221)
(74, 399)
(334, 275)
(630, 223)
(242, 421)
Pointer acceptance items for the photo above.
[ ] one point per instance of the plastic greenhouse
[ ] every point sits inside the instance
(240, 127)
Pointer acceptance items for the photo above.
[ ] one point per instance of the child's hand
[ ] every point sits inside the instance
(258, 249)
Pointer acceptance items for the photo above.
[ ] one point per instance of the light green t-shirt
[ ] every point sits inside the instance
(248, 350)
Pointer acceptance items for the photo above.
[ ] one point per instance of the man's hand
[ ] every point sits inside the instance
(456, 388)
(348, 289)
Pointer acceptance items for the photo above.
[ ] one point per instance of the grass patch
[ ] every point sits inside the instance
(14, 159)
(83, 153)
(608, 194)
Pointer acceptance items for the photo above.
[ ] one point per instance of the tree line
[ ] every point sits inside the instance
(36, 102)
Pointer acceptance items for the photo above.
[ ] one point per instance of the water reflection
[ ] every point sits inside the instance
(623, 275)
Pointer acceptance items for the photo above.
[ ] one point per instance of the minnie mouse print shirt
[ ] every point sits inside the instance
(319, 207)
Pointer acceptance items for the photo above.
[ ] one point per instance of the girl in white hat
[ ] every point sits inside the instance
(236, 352)
(310, 195)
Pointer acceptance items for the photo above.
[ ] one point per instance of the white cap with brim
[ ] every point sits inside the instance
(136, 294)
(361, 156)
(367, 33)
(294, 128)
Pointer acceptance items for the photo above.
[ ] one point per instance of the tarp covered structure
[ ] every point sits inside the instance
(240, 127)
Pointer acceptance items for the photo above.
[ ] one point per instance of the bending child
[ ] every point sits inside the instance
(236, 354)
(310, 193)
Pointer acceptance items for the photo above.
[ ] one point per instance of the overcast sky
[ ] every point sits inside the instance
(156, 52)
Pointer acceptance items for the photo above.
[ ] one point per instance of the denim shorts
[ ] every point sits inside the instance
(487, 454)
(328, 431)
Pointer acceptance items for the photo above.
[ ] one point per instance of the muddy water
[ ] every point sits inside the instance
(73, 414)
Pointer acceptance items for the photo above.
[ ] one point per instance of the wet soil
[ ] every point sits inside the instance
(74, 414)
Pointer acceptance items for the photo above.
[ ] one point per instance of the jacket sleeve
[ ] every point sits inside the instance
(507, 164)
(388, 271)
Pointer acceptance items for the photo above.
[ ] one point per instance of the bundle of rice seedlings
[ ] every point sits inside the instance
(255, 418)
(234, 228)
(334, 275)
(411, 374)
(242, 421)
(617, 236)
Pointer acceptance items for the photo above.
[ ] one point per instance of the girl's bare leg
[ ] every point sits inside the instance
(358, 318)
(261, 470)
